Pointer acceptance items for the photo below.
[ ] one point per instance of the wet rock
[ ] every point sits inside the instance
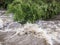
(14, 25)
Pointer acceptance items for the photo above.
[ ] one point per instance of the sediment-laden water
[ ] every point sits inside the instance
(40, 33)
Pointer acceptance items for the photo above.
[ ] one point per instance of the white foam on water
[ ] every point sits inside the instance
(1, 23)
(36, 31)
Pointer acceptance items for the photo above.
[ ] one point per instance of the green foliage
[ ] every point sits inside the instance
(32, 10)
(4, 3)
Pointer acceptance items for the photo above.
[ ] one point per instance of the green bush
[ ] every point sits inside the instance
(32, 10)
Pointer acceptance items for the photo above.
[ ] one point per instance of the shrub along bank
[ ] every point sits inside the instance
(33, 10)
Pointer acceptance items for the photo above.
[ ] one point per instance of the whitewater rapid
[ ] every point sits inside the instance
(14, 33)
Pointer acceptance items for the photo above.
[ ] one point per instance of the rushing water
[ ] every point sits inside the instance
(40, 33)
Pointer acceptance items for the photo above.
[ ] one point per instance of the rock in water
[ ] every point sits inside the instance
(14, 25)
(1, 23)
